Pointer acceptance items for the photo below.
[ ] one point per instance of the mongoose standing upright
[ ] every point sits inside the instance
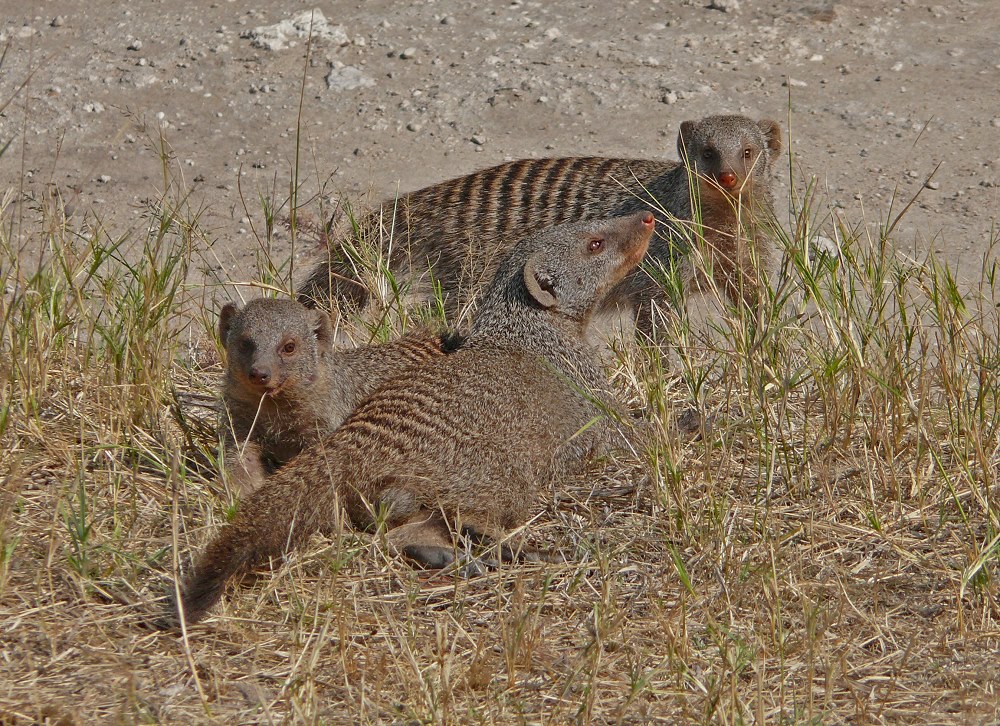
(285, 386)
(473, 437)
(454, 232)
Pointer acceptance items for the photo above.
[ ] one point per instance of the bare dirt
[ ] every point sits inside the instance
(877, 98)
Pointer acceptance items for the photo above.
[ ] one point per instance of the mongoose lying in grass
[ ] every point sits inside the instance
(473, 438)
(454, 233)
(285, 386)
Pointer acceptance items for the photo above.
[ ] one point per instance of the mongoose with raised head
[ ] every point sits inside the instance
(454, 232)
(285, 385)
(472, 438)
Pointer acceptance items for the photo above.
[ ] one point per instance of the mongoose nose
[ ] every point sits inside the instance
(260, 376)
(648, 219)
(727, 179)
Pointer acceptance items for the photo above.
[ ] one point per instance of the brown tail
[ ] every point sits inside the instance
(272, 521)
(228, 555)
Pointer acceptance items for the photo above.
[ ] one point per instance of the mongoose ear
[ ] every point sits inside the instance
(772, 132)
(229, 311)
(323, 329)
(540, 285)
(683, 139)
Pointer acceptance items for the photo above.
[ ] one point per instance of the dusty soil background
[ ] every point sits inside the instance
(877, 97)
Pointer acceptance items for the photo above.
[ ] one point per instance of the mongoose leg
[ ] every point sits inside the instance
(245, 469)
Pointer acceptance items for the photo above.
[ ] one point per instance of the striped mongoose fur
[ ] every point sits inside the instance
(458, 229)
(470, 439)
(286, 387)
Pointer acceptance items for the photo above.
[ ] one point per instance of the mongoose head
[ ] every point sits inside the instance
(731, 154)
(572, 267)
(273, 345)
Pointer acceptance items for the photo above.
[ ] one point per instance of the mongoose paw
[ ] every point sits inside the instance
(431, 557)
(166, 622)
(436, 557)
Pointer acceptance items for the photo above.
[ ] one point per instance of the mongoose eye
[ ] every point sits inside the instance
(747, 153)
(595, 244)
(247, 346)
(707, 154)
(288, 348)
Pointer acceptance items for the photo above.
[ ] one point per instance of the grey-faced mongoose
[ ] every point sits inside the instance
(454, 232)
(472, 438)
(285, 385)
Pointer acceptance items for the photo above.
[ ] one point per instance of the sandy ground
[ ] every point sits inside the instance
(877, 96)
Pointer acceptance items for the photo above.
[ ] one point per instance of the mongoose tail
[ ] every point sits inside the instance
(244, 543)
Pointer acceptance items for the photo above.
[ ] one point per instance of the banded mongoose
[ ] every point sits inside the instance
(474, 437)
(459, 228)
(286, 386)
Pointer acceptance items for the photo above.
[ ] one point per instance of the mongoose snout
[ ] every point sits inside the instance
(637, 243)
(727, 180)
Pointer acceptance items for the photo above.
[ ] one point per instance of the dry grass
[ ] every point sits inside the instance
(822, 549)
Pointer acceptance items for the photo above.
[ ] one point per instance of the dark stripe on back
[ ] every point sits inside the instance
(448, 198)
(610, 187)
(569, 202)
(457, 218)
(511, 183)
(481, 213)
(551, 190)
(529, 188)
